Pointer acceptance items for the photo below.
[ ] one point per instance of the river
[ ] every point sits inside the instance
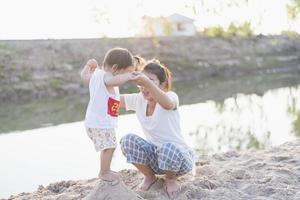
(44, 155)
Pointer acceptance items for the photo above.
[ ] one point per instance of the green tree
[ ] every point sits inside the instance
(216, 31)
(244, 30)
(293, 9)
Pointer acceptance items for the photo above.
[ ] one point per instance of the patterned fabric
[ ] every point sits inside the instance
(169, 157)
(102, 138)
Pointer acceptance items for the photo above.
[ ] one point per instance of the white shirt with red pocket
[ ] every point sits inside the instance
(103, 107)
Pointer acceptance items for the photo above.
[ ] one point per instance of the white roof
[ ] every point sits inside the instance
(179, 18)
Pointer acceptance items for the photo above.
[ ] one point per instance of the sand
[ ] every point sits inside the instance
(273, 173)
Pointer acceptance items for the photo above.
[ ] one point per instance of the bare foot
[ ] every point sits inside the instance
(172, 187)
(147, 183)
(109, 176)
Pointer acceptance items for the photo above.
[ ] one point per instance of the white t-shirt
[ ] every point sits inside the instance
(103, 107)
(163, 125)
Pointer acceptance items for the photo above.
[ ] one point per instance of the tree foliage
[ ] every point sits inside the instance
(233, 30)
(293, 9)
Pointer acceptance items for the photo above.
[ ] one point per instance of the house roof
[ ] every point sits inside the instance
(179, 18)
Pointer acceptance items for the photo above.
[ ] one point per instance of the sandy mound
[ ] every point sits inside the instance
(270, 174)
(109, 190)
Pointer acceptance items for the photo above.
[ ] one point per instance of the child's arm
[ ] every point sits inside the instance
(88, 70)
(85, 75)
(120, 79)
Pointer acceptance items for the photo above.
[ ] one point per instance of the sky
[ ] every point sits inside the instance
(59, 19)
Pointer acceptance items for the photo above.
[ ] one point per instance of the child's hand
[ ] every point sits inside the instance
(134, 75)
(138, 78)
(92, 64)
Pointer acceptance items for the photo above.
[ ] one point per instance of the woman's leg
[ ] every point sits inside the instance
(149, 176)
(172, 185)
(174, 162)
(141, 154)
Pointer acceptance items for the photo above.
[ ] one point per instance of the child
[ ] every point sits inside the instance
(103, 108)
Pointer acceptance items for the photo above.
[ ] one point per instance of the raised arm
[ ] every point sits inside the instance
(88, 70)
(158, 94)
(119, 79)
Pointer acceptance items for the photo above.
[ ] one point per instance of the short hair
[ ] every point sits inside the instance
(120, 57)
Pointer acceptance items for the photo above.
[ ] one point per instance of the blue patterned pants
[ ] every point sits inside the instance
(168, 157)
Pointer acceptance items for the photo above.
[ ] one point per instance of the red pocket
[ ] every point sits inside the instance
(113, 107)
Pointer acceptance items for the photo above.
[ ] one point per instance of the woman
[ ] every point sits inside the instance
(164, 151)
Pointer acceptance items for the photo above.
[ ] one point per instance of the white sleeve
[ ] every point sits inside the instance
(174, 97)
(131, 101)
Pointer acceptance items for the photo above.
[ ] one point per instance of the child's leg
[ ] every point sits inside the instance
(105, 161)
(105, 142)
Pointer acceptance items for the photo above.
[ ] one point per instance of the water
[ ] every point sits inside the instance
(246, 121)
(64, 152)
(49, 112)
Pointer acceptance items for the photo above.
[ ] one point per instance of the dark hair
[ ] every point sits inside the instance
(139, 62)
(163, 73)
(120, 57)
